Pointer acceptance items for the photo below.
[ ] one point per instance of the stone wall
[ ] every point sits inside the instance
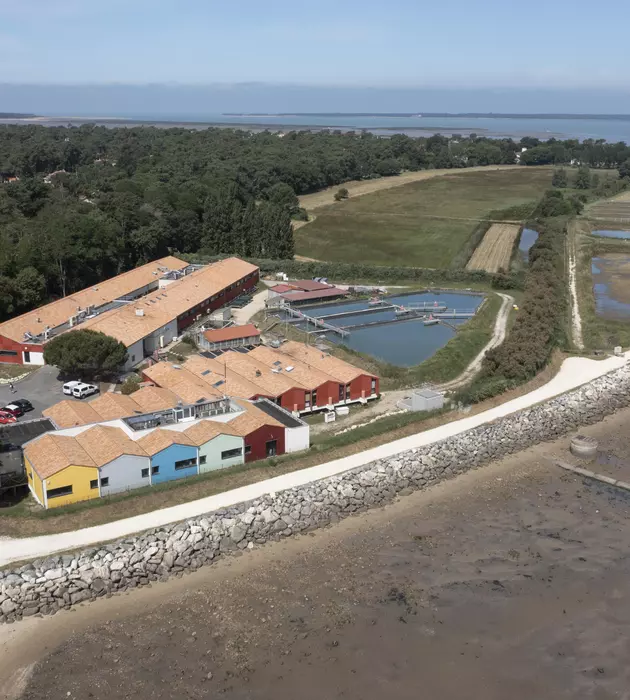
(45, 586)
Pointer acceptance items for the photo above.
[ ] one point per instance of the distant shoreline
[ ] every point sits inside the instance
(432, 115)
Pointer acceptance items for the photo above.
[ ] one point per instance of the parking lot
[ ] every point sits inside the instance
(41, 388)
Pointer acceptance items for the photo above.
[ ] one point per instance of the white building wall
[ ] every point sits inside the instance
(36, 358)
(124, 473)
(296, 439)
(153, 342)
(135, 355)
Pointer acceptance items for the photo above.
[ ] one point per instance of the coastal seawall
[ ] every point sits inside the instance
(47, 585)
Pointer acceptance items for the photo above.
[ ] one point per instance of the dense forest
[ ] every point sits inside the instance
(80, 204)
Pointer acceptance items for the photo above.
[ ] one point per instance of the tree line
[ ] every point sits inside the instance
(91, 202)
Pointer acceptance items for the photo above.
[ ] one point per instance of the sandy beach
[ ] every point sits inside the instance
(510, 581)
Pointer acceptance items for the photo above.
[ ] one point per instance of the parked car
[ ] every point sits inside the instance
(82, 390)
(7, 418)
(24, 404)
(13, 409)
(69, 386)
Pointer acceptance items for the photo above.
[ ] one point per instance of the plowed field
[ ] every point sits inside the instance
(495, 250)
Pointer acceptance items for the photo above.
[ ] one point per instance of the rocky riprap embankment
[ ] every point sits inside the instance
(45, 586)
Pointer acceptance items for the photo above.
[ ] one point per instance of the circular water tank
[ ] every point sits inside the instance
(583, 446)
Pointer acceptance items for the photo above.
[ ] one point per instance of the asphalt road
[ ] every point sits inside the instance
(41, 388)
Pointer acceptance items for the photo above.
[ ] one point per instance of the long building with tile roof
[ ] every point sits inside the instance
(145, 308)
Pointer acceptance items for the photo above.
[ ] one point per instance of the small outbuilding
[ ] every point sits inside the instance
(426, 400)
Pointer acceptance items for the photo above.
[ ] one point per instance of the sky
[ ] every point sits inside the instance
(398, 45)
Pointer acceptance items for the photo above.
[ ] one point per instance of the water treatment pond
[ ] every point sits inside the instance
(611, 285)
(603, 233)
(404, 343)
(527, 240)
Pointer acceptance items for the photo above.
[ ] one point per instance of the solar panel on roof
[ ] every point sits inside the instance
(277, 363)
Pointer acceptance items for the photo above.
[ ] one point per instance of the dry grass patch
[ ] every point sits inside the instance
(495, 250)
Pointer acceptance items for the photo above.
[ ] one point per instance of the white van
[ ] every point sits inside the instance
(82, 390)
(69, 386)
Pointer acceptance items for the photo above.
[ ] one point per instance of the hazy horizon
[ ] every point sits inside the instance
(177, 100)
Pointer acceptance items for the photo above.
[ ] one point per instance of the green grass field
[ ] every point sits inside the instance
(395, 226)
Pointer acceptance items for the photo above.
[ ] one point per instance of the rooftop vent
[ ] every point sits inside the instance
(289, 368)
(176, 366)
(258, 373)
(139, 312)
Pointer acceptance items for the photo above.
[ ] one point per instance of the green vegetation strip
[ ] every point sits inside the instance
(359, 273)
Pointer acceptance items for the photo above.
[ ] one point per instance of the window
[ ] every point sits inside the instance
(133, 358)
(186, 463)
(202, 459)
(228, 454)
(94, 484)
(341, 392)
(155, 470)
(27, 356)
(272, 448)
(11, 353)
(61, 491)
(105, 481)
(307, 399)
(248, 449)
(347, 391)
(314, 397)
(373, 386)
(145, 473)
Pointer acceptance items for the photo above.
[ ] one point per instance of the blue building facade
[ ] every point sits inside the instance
(174, 462)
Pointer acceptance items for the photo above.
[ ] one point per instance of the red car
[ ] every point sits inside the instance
(13, 409)
(7, 418)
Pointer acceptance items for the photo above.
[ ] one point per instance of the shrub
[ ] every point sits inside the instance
(130, 385)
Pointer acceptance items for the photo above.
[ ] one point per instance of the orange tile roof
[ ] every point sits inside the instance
(111, 406)
(212, 371)
(154, 398)
(188, 387)
(52, 453)
(252, 419)
(165, 305)
(339, 369)
(206, 430)
(68, 414)
(218, 335)
(271, 383)
(160, 439)
(106, 443)
(58, 312)
(308, 376)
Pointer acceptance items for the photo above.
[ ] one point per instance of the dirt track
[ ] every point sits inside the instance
(511, 581)
(498, 336)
